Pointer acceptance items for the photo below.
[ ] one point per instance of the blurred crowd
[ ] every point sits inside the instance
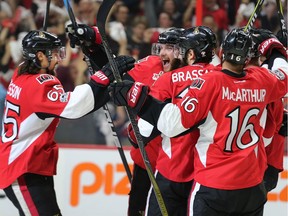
(134, 25)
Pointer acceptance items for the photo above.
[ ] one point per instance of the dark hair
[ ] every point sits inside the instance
(28, 67)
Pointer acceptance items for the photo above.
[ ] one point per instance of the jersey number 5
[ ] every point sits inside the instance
(244, 127)
(10, 120)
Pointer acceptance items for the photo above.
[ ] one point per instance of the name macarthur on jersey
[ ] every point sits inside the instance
(244, 95)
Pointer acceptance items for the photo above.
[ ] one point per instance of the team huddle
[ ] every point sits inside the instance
(212, 125)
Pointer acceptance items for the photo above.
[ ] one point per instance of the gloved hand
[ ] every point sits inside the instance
(128, 93)
(131, 136)
(270, 178)
(267, 46)
(258, 36)
(105, 75)
(84, 35)
(283, 130)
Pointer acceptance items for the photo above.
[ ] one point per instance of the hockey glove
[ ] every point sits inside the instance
(105, 75)
(270, 178)
(84, 34)
(130, 94)
(131, 136)
(267, 46)
(283, 130)
(258, 36)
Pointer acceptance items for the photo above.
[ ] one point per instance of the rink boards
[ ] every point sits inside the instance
(91, 181)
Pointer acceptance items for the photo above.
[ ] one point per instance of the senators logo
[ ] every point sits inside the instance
(197, 83)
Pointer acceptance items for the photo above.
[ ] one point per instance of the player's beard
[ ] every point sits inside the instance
(176, 63)
(51, 72)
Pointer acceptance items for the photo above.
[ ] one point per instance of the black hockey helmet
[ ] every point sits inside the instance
(236, 46)
(201, 40)
(37, 40)
(258, 36)
(171, 36)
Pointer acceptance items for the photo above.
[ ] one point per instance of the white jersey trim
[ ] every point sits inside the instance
(267, 141)
(192, 198)
(18, 193)
(80, 103)
(169, 122)
(145, 127)
(27, 137)
(206, 138)
(166, 145)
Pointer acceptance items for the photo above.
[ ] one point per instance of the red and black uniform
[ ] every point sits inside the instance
(229, 154)
(175, 159)
(146, 70)
(34, 104)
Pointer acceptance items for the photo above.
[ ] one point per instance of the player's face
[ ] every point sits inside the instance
(167, 53)
(57, 56)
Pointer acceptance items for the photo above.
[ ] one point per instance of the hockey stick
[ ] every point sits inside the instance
(254, 15)
(105, 107)
(45, 23)
(101, 20)
(281, 17)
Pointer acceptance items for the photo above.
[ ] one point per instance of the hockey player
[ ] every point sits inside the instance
(272, 137)
(165, 57)
(229, 104)
(35, 101)
(148, 70)
(174, 172)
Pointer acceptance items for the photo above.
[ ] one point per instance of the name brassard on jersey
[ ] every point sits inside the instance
(188, 75)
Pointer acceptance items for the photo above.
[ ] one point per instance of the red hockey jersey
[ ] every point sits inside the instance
(230, 152)
(175, 159)
(29, 123)
(147, 71)
(273, 141)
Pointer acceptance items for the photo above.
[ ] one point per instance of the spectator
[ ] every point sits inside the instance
(136, 40)
(244, 12)
(164, 22)
(170, 7)
(189, 14)
(117, 28)
(211, 7)
(269, 18)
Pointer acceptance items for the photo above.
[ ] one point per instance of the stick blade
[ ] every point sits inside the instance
(103, 12)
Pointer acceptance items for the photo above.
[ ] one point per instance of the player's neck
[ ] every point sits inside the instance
(237, 69)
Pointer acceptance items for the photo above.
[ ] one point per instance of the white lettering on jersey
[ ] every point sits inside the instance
(53, 94)
(244, 95)
(189, 104)
(14, 91)
(188, 75)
